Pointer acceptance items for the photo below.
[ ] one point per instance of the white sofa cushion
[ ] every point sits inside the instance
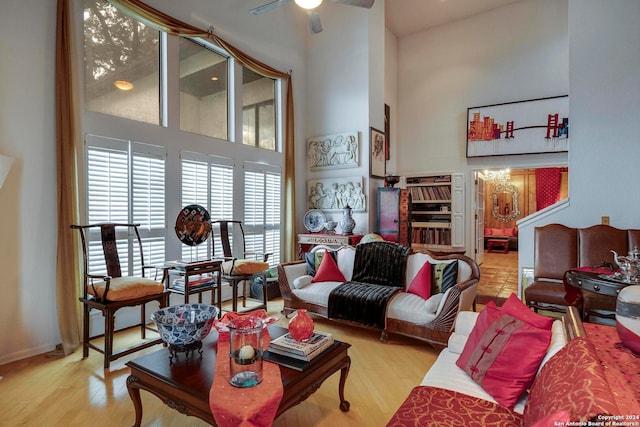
(317, 293)
(346, 256)
(412, 308)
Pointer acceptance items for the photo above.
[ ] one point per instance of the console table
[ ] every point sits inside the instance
(599, 283)
(307, 241)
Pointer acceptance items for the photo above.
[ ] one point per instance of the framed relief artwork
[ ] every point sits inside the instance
(523, 127)
(332, 194)
(377, 164)
(340, 150)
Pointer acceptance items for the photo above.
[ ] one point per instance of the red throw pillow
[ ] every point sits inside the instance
(421, 284)
(486, 317)
(328, 271)
(506, 358)
(575, 380)
(517, 309)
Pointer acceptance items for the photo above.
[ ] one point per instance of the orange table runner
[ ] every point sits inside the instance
(254, 406)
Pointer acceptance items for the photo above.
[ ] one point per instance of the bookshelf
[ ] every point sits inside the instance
(437, 210)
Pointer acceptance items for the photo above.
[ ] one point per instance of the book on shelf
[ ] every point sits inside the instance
(287, 346)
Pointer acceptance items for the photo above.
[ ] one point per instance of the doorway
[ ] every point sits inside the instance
(501, 199)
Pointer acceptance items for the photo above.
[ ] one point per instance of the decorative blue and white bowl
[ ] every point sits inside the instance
(185, 324)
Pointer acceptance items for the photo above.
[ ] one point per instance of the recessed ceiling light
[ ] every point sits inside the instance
(123, 85)
(214, 78)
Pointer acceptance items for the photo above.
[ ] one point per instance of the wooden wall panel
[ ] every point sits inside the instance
(525, 181)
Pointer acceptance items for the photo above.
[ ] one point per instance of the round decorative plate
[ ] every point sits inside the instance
(314, 220)
(193, 225)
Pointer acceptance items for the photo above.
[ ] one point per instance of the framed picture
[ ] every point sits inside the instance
(377, 164)
(523, 127)
(340, 150)
(387, 131)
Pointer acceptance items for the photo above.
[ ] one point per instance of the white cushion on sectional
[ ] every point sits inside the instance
(317, 293)
(465, 321)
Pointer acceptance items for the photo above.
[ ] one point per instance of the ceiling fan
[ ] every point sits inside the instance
(310, 5)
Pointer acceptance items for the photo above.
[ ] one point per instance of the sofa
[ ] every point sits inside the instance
(570, 386)
(558, 248)
(510, 233)
(428, 317)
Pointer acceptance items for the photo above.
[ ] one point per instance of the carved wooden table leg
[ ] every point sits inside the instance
(134, 394)
(344, 372)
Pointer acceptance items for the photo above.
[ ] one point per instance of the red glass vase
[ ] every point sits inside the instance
(301, 326)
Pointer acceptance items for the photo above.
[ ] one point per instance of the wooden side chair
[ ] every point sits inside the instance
(112, 291)
(242, 267)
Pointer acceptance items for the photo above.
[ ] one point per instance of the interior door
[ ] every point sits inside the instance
(479, 217)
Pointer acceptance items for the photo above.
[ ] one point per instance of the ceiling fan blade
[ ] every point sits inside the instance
(314, 21)
(266, 7)
(359, 3)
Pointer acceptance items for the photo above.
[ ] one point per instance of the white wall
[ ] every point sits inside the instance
(604, 107)
(28, 225)
(344, 94)
(28, 323)
(512, 53)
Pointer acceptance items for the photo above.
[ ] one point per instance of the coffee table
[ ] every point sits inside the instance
(495, 243)
(184, 384)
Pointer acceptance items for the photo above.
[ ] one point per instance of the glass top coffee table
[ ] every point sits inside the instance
(184, 384)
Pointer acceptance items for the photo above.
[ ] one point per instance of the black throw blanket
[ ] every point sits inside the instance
(378, 273)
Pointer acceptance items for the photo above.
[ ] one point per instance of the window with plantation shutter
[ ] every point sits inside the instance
(262, 184)
(207, 181)
(126, 184)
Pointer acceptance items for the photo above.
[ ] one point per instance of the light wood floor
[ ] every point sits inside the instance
(71, 391)
(498, 277)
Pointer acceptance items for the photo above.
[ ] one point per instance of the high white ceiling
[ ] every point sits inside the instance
(404, 17)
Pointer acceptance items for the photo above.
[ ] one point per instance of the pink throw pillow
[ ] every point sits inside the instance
(421, 284)
(328, 271)
(488, 231)
(517, 309)
(503, 352)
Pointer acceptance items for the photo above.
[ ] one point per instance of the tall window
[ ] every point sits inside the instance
(203, 90)
(207, 181)
(258, 110)
(122, 64)
(125, 183)
(262, 211)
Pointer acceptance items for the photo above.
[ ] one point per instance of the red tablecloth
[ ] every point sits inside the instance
(254, 406)
(622, 367)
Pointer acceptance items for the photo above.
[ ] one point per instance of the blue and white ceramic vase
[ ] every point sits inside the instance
(347, 224)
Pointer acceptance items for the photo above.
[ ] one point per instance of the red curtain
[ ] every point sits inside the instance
(547, 186)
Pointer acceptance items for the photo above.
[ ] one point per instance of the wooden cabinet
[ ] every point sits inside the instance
(394, 209)
(437, 211)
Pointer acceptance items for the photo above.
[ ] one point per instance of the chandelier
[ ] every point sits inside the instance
(501, 176)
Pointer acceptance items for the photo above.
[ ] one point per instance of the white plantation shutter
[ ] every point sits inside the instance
(262, 209)
(207, 181)
(126, 184)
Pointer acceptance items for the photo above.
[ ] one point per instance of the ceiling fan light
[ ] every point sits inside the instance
(308, 4)
(123, 85)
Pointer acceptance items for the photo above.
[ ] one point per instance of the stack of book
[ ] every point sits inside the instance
(285, 345)
(194, 281)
